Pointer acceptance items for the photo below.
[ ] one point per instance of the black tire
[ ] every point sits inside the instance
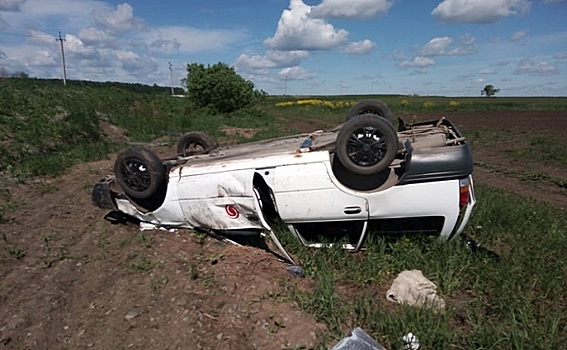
(195, 142)
(375, 107)
(140, 173)
(367, 144)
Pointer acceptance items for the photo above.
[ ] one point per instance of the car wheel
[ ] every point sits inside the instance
(367, 144)
(195, 142)
(375, 107)
(140, 173)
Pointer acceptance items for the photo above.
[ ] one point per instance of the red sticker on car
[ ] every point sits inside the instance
(232, 211)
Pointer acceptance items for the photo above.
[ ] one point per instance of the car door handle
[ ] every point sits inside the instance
(352, 210)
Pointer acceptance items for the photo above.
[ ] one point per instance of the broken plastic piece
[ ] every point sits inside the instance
(410, 341)
(296, 271)
(359, 340)
(306, 145)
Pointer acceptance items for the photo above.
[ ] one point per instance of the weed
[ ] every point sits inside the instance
(43, 187)
(53, 254)
(200, 237)
(17, 253)
(147, 240)
(144, 238)
(158, 282)
(7, 204)
(209, 282)
(275, 324)
(141, 265)
(193, 271)
(214, 259)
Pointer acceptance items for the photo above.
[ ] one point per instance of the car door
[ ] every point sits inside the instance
(305, 193)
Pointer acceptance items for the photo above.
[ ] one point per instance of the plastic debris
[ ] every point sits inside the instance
(475, 247)
(359, 340)
(306, 145)
(296, 271)
(410, 341)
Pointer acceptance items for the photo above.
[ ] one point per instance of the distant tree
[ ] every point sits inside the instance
(219, 87)
(489, 90)
(20, 75)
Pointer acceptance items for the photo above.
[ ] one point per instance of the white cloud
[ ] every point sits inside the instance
(466, 46)
(560, 55)
(191, 40)
(436, 46)
(118, 21)
(502, 63)
(272, 59)
(138, 66)
(93, 36)
(11, 5)
(78, 51)
(165, 45)
(296, 73)
(72, 15)
(97, 35)
(520, 34)
(359, 47)
(353, 9)
(419, 63)
(42, 58)
(41, 37)
(298, 31)
(535, 66)
(479, 11)
(486, 71)
(442, 46)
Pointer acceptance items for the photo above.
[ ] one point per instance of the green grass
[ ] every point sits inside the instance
(45, 127)
(518, 302)
(546, 148)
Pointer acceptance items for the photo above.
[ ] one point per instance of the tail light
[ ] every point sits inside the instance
(464, 191)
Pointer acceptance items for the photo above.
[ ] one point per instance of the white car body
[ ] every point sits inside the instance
(428, 188)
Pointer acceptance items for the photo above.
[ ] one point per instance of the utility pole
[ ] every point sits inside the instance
(61, 40)
(171, 77)
(285, 85)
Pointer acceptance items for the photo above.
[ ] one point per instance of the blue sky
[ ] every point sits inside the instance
(325, 47)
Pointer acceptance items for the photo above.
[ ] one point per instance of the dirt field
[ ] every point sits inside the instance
(71, 280)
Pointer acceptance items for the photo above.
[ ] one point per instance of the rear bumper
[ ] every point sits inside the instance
(465, 212)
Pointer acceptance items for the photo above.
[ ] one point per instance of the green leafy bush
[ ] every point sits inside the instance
(219, 88)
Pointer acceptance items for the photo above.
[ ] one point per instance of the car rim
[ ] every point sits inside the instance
(135, 174)
(194, 148)
(366, 146)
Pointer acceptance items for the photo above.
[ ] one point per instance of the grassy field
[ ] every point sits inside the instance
(516, 302)
(46, 127)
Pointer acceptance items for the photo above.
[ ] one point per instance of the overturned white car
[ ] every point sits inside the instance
(361, 177)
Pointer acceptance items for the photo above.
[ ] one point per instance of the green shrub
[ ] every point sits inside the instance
(219, 88)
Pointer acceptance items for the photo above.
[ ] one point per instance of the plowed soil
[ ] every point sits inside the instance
(71, 280)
